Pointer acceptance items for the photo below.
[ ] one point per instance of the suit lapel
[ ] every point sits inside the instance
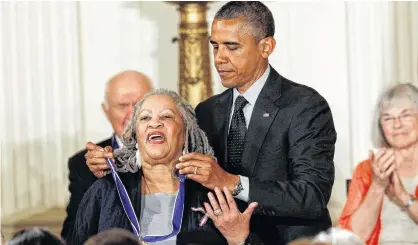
(222, 113)
(263, 114)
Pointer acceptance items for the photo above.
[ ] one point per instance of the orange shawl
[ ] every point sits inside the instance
(359, 185)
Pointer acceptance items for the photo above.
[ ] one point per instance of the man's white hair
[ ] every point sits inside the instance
(145, 79)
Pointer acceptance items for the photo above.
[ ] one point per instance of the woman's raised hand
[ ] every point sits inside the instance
(383, 165)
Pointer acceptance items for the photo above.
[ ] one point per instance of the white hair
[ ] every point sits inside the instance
(392, 95)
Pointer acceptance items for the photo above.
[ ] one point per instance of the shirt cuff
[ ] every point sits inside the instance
(245, 193)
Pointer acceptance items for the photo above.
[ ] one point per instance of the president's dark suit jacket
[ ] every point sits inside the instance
(288, 157)
(80, 180)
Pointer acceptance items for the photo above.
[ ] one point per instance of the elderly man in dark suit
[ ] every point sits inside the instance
(273, 139)
(121, 94)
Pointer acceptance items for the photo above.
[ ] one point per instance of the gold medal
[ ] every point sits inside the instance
(142, 243)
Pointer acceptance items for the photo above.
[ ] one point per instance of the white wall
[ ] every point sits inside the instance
(53, 76)
(312, 50)
(124, 35)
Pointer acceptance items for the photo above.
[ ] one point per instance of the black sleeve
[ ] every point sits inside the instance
(87, 218)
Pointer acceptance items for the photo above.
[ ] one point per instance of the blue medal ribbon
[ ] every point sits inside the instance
(129, 211)
(115, 144)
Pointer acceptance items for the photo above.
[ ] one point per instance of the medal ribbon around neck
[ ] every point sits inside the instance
(130, 213)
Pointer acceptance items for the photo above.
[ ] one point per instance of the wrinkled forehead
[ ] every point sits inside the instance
(228, 24)
(160, 104)
(231, 28)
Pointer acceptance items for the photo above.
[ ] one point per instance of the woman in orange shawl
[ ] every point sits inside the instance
(381, 206)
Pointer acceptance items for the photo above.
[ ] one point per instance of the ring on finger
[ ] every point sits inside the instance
(195, 170)
(382, 170)
(217, 212)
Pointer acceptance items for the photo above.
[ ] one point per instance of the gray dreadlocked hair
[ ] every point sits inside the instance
(195, 138)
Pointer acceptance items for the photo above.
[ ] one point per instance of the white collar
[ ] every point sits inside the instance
(251, 94)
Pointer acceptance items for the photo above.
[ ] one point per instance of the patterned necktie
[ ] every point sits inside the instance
(237, 132)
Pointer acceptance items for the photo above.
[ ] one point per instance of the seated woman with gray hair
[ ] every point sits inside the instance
(381, 206)
(144, 194)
